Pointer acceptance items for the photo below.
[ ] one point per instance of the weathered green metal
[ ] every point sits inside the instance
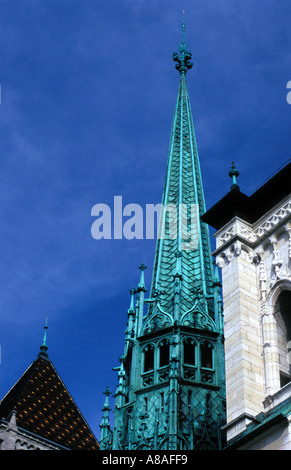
(106, 434)
(170, 392)
(233, 173)
(183, 186)
(183, 59)
(43, 347)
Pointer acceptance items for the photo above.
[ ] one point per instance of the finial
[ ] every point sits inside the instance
(131, 308)
(177, 271)
(107, 392)
(233, 174)
(106, 408)
(43, 347)
(104, 426)
(216, 278)
(183, 59)
(141, 284)
(183, 27)
(142, 267)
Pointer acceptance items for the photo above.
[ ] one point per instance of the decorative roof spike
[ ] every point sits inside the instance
(178, 269)
(216, 278)
(132, 293)
(106, 406)
(43, 348)
(233, 173)
(141, 284)
(104, 426)
(183, 27)
(183, 59)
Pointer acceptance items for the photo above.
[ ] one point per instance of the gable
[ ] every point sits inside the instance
(44, 406)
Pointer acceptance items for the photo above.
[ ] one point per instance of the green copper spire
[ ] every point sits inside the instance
(183, 191)
(170, 392)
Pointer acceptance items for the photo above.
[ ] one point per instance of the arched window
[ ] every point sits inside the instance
(283, 316)
(189, 352)
(284, 306)
(127, 367)
(162, 395)
(149, 358)
(164, 352)
(206, 355)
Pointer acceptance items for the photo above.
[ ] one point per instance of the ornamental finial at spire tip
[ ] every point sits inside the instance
(233, 173)
(183, 27)
(43, 348)
(184, 57)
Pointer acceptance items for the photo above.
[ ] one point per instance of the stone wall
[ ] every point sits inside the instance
(255, 261)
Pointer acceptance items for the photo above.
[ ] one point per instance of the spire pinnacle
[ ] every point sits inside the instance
(106, 406)
(131, 308)
(178, 272)
(141, 284)
(183, 27)
(43, 348)
(183, 59)
(216, 278)
(233, 173)
(104, 426)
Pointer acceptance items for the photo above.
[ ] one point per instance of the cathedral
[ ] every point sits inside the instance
(207, 348)
(201, 370)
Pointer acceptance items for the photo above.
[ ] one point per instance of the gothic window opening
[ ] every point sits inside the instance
(206, 355)
(284, 306)
(149, 359)
(283, 317)
(284, 379)
(189, 352)
(127, 367)
(162, 401)
(164, 353)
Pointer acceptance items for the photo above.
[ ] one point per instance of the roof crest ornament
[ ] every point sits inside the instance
(183, 59)
(233, 175)
(43, 347)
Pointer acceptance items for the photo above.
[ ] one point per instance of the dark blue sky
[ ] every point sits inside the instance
(88, 91)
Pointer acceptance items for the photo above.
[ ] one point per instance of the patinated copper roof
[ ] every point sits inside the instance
(44, 406)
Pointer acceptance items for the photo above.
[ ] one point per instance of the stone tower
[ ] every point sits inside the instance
(170, 393)
(253, 249)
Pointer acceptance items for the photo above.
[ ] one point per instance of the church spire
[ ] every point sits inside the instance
(183, 202)
(171, 374)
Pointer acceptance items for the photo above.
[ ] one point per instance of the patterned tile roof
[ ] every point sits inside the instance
(44, 406)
